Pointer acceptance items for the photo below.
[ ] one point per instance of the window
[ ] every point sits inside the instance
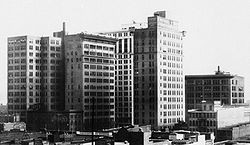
(31, 47)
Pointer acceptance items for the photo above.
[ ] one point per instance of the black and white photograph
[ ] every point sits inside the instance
(125, 72)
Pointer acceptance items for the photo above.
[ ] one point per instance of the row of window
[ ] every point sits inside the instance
(120, 67)
(15, 61)
(152, 78)
(17, 94)
(36, 47)
(204, 123)
(17, 74)
(16, 100)
(170, 120)
(170, 113)
(98, 67)
(99, 54)
(139, 43)
(17, 107)
(100, 94)
(238, 101)
(173, 65)
(17, 48)
(125, 83)
(201, 115)
(94, 60)
(98, 87)
(94, 73)
(18, 80)
(174, 51)
(171, 99)
(171, 106)
(171, 35)
(123, 56)
(98, 47)
(207, 82)
(97, 80)
(37, 87)
(17, 41)
(173, 92)
(37, 67)
(123, 93)
(37, 74)
(17, 54)
(209, 94)
(207, 88)
(237, 94)
(121, 34)
(37, 61)
(171, 71)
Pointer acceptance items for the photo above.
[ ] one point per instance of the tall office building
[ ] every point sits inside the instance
(158, 73)
(221, 86)
(34, 74)
(124, 75)
(90, 81)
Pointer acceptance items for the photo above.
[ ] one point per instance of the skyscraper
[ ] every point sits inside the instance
(158, 73)
(90, 81)
(124, 75)
(34, 74)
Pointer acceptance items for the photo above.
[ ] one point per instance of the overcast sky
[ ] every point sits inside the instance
(217, 30)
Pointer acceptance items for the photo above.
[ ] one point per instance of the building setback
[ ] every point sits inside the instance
(34, 74)
(223, 87)
(158, 73)
(90, 81)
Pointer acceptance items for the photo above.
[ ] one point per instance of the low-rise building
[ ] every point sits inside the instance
(142, 135)
(221, 86)
(234, 132)
(210, 117)
(135, 136)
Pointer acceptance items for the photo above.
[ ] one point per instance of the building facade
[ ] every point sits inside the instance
(223, 87)
(124, 80)
(203, 119)
(158, 73)
(34, 74)
(211, 117)
(90, 81)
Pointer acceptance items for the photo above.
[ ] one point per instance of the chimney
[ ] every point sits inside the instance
(64, 28)
(218, 72)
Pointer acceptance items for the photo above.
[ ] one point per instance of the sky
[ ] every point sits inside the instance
(217, 30)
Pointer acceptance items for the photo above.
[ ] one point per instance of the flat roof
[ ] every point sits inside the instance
(209, 76)
(94, 37)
